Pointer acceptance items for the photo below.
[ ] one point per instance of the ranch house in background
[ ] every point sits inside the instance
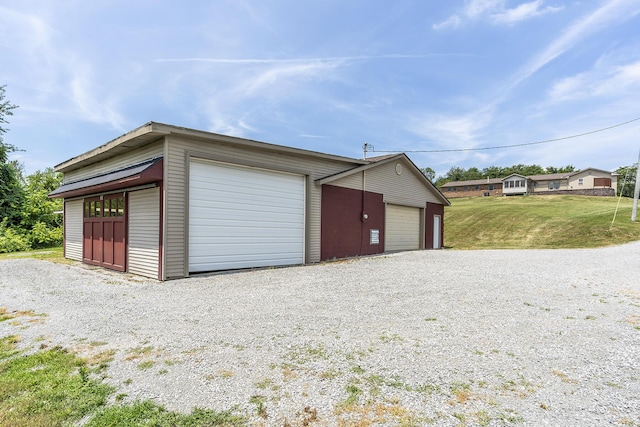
(586, 182)
(167, 202)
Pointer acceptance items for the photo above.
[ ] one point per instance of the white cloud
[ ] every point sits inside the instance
(604, 80)
(523, 12)
(496, 12)
(614, 11)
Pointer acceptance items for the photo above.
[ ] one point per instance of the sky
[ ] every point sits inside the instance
(420, 76)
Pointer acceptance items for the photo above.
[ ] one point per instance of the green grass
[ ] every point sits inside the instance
(538, 222)
(55, 388)
(55, 254)
(46, 388)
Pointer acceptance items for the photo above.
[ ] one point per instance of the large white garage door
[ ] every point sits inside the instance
(402, 228)
(242, 217)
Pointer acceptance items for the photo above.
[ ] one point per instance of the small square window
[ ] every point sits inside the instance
(580, 181)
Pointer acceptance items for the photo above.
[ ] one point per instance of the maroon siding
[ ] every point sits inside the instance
(433, 209)
(343, 232)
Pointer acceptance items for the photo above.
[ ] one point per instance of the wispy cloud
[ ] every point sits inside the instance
(614, 11)
(341, 59)
(495, 12)
(604, 80)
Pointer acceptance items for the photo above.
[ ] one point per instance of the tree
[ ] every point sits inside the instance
(429, 173)
(10, 191)
(626, 180)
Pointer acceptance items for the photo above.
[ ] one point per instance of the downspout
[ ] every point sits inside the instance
(363, 214)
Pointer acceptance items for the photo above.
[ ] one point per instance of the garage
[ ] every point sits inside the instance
(402, 227)
(244, 217)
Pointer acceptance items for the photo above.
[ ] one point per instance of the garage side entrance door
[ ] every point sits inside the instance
(241, 217)
(402, 228)
(104, 231)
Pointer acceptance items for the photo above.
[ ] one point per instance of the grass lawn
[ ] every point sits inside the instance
(52, 254)
(519, 222)
(53, 387)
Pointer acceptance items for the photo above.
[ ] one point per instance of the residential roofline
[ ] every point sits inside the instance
(146, 133)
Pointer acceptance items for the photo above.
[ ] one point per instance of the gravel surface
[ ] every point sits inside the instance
(530, 337)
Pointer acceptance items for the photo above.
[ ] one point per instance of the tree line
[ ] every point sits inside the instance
(28, 218)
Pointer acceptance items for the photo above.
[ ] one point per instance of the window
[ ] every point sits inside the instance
(523, 183)
(550, 185)
(517, 183)
(557, 184)
(491, 187)
(466, 188)
(580, 181)
(109, 206)
(477, 187)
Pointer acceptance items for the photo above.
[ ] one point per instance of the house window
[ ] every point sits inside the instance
(466, 188)
(550, 185)
(580, 181)
(477, 187)
(491, 187)
(557, 184)
(517, 183)
(523, 183)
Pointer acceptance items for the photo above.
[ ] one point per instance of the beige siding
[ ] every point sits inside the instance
(144, 232)
(73, 229)
(135, 156)
(405, 189)
(178, 151)
(543, 186)
(588, 177)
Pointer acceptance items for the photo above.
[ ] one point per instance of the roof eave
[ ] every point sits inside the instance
(153, 131)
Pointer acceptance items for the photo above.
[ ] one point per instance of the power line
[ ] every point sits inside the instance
(546, 141)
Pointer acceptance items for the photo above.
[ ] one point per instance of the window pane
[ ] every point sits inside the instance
(86, 209)
(98, 208)
(120, 206)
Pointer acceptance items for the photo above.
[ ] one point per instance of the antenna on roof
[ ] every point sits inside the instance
(366, 147)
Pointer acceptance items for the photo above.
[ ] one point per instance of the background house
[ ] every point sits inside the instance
(474, 188)
(166, 202)
(587, 182)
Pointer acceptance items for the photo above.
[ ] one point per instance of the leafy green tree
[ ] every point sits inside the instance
(627, 180)
(40, 216)
(429, 173)
(566, 169)
(10, 191)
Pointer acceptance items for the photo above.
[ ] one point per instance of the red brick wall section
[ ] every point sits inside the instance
(343, 233)
(431, 210)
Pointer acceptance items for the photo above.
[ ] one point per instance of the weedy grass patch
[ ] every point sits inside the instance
(539, 222)
(54, 387)
(46, 388)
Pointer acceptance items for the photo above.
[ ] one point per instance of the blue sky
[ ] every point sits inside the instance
(330, 75)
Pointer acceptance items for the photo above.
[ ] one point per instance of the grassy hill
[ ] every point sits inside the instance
(538, 222)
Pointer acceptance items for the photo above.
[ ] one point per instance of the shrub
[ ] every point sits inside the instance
(12, 239)
(43, 236)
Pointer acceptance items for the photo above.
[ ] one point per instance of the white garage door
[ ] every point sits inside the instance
(402, 228)
(242, 217)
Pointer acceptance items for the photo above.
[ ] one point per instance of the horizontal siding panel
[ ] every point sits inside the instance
(144, 232)
(73, 229)
(404, 189)
(135, 156)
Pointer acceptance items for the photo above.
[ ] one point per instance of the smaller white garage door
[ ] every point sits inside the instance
(241, 217)
(402, 228)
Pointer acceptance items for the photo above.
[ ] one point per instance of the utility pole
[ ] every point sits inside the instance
(636, 192)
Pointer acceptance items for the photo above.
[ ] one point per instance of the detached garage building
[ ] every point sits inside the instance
(165, 202)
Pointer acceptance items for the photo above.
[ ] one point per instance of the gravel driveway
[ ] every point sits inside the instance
(530, 337)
